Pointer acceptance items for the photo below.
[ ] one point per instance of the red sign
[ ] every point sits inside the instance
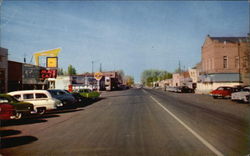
(70, 88)
(44, 73)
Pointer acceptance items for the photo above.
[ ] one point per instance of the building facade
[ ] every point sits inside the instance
(23, 76)
(225, 61)
(3, 70)
(15, 76)
(229, 55)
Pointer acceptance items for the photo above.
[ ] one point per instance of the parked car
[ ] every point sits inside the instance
(248, 99)
(80, 99)
(7, 111)
(89, 94)
(223, 92)
(184, 89)
(21, 108)
(41, 99)
(241, 95)
(171, 89)
(238, 88)
(65, 97)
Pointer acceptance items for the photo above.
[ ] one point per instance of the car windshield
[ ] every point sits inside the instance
(246, 89)
(11, 98)
(53, 93)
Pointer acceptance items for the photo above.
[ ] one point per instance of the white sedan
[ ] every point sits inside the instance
(241, 95)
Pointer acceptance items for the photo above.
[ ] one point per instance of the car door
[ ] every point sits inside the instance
(44, 100)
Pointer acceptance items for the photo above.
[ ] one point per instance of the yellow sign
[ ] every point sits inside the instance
(52, 62)
(98, 76)
(49, 53)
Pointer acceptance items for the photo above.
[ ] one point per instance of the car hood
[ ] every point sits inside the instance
(22, 105)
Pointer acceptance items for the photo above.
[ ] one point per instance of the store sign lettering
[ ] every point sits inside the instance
(48, 73)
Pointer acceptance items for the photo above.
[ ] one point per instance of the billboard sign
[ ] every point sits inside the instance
(52, 62)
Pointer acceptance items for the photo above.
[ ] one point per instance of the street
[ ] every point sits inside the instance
(143, 122)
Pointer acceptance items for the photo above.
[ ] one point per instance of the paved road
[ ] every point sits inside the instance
(134, 122)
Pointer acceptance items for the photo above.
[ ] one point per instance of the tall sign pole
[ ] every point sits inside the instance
(98, 76)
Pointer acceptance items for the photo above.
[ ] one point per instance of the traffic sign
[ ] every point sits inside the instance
(98, 76)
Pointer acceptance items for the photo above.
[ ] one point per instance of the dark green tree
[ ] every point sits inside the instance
(71, 70)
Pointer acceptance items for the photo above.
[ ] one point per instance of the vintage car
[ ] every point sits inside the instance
(41, 99)
(65, 97)
(7, 111)
(21, 108)
(241, 95)
(80, 99)
(171, 89)
(223, 92)
(184, 89)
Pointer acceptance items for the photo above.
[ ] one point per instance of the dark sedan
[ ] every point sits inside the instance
(68, 100)
(184, 89)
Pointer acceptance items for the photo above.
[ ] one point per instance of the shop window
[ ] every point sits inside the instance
(237, 62)
(245, 61)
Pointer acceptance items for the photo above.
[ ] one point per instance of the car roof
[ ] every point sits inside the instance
(28, 91)
(225, 87)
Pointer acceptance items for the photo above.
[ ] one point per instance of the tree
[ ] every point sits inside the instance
(129, 80)
(71, 70)
(60, 71)
(153, 75)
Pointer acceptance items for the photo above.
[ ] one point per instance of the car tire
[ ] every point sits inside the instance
(41, 111)
(246, 99)
(18, 116)
(215, 97)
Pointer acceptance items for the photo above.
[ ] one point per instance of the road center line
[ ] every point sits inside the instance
(206, 143)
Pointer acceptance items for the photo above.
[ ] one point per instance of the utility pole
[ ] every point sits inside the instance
(179, 67)
(239, 62)
(24, 58)
(92, 74)
(100, 67)
(92, 62)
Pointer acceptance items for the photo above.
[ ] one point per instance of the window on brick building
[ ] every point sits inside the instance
(225, 62)
(209, 64)
(237, 62)
(212, 63)
(245, 62)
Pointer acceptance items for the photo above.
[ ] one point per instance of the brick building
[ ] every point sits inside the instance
(229, 56)
(15, 76)
(224, 61)
(22, 76)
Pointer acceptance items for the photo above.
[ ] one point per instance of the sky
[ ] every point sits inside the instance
(121, 35)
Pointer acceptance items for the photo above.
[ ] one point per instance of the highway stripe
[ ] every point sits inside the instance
(206, 143)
